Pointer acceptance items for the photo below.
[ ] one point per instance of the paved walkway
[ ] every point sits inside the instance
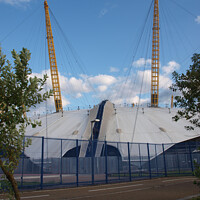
(174, 188)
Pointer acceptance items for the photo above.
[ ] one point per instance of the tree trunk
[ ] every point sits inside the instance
(11, 179)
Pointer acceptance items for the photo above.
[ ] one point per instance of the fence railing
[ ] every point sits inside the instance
(52, 162)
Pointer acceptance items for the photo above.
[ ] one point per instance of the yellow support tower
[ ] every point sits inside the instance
(155, 57)
(52, 61)
(172, 101)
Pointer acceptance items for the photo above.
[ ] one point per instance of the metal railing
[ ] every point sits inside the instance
(53, 162)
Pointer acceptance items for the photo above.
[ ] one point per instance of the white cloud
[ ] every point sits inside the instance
(48, 106)
(165, 82)
(102, 88)
(197, 20)
(141, 62)
(77, 87)
(170, 67)
(137, 100)
(129, 92)
(117, 89)
(15, 2)
(114, 69)
(51, 102)
(124, 90)
(102, 79)
(74, 85)
(147, 76)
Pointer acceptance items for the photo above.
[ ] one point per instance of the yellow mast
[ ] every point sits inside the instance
(172, 101)
(52, 61)
(155, 57)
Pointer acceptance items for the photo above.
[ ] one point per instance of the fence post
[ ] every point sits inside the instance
(61, 165)
(22, 172)
(129, 161)
(140, 172)
(42, 164)
(191, 160)
(106, 161)
(156, 157)
(149, 160)
(177, 159)
(118, 162)
(77, 163)
(92, 154)
(165, 167)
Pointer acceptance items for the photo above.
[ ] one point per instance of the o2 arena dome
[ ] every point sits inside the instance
(114, 125)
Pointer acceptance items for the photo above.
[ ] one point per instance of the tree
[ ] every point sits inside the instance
(189, 100)
(18, 93)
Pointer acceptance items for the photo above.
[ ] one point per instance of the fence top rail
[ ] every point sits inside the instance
(112, 142)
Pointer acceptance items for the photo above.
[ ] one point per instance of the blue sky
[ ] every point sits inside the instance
(105, 58)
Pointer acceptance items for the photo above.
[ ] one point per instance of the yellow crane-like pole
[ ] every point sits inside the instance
(155, 57)
(52, 61)
(172, 101)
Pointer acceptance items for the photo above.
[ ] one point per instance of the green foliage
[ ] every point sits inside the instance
(189, 86)
(197, 174)
(18, 93)
(6, 188)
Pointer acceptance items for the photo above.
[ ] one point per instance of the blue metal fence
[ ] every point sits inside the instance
(54, 162)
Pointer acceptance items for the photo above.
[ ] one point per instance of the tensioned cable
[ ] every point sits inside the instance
(176, 27)
(77, 61)
(179, 31)
(75, 55)
(70, 64)
(124, 72)
(135, 123)
(165, 30)
(133, 79)
(166, 33)
(19, 25)
(146, 41)
(170, 31)
(188, 57)
(172, 24)
(146, 86)
(162, 38)
(46, 102)
(36, 34)
(183, 8)
(182, 33)
(121, 90)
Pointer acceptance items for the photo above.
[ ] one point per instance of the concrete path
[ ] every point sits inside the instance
(174, 188)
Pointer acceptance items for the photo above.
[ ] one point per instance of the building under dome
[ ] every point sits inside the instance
(116, 125)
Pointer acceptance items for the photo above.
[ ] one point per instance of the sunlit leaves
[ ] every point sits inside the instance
(189, 100)
(18, 93)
